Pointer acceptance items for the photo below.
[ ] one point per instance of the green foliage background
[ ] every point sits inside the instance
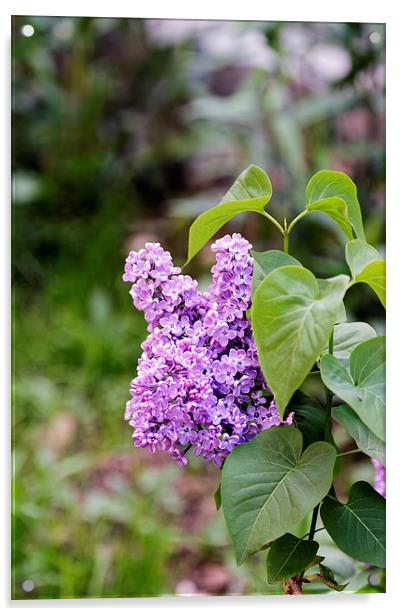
(123, 131)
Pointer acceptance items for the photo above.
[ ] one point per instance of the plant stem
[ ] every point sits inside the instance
(274, 222)
(329, 395)
(295, 220)
(313, 522)
(286, 242)
(311, 534)
(317, 530)
(287, 229)
(346, 453)
(293, 586)
(285, 236)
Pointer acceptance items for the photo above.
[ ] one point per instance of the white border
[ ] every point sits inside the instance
(285, 10)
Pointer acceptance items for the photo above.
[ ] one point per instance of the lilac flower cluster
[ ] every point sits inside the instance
(198, 380)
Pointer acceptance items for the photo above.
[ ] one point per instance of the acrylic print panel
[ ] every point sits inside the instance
(249, 329)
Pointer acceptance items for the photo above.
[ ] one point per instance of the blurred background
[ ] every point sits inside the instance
(123, 131)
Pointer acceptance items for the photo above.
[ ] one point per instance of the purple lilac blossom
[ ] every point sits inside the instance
(380, 477)
(198, 379)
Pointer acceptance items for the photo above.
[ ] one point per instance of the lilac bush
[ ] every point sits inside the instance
(222, 374)
(199, 383)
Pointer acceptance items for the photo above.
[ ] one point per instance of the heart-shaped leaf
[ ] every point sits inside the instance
(364, 387)
(346, 338)
(289, 556)
(269, 485)
(250, 193)
(358, 526)
(326, 184)
(336, 209)
(292, 318)
(365, 439)
(266, 262)
(366, 265)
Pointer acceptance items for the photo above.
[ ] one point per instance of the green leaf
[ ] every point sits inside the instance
(374, 275)
(309, 417)
(365, 439)
(326, 184)
(266, 262)
(269, 485)
(250, 193)
(292, 319)
(364, 387)
(358, 526)
(346, 338)
(359, 254)
(327, 577)
(336, 209)
(316, 561)
(289, 556)
(252, 182)
(340, 316)
(302, 527)
(366, 265)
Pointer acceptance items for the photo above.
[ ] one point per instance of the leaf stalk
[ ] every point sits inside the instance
(274, 222)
